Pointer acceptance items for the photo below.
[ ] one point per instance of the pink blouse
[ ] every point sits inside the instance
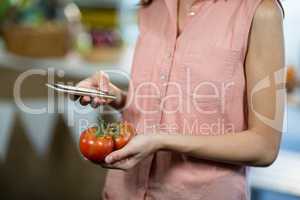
(190, 84)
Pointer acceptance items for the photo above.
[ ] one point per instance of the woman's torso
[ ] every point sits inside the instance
(194, 84)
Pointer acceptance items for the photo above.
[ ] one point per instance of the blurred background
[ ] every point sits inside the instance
(66, 41)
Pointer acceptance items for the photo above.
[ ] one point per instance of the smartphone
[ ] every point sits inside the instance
(72, 90)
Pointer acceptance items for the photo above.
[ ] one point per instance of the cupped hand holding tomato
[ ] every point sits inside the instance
(123, 133)
(97, 142)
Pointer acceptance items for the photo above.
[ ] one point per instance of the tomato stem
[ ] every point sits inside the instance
(98, 132)
(102, 128)
(113, 129)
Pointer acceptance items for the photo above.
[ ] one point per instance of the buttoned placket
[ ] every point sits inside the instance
(166, 68)
(170, 56)
(165, 72)
(164, 75)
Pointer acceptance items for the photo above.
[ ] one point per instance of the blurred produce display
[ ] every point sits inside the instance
(34, 28)
(4, 8)
(101, 20)
(30, 12)
(51, 28)
(292, 85)
(46, 40)
(291, 78)
(99, 17)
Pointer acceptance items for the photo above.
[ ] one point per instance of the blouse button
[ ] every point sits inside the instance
(162, 77)
(192, 13)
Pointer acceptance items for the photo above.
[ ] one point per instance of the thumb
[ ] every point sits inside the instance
(118, 155)
(103, 82)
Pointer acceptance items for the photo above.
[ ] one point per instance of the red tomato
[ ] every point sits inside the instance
(95, 146)
(124, 134)
(97, 142)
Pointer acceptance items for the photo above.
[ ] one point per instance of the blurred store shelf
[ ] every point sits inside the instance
(102, 3)
(72, 65)
(291, 138)
(282, 176)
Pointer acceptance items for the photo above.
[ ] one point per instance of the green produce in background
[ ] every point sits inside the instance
(31, 12)
(4, 7)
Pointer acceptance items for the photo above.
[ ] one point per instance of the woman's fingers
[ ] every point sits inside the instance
(98, 81)
(124, 164)
(104, 82)
(96, 101)
(93, 101)
(85, 100)
(107, 166)
(74, 97)
(119, 155)
(84, 84)
(99, 101)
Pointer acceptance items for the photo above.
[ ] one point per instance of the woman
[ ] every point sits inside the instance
(194, 100)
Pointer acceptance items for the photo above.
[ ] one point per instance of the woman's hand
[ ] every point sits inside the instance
(139, 148)
(100, 81)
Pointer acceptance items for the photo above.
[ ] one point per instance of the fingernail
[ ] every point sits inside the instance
(102, 101)
(94, 104)
(108, 159)
(104, 82)
(86, 98)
